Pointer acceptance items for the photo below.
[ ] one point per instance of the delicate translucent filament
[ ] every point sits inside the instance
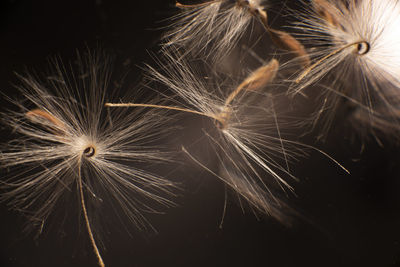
(361, 48)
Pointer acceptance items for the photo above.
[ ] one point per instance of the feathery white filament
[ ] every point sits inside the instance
(355, 44)
(65, 140)
(214, 27)
(242, 144)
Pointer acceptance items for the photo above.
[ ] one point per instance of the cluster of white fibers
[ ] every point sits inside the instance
(354, 49)
(68, 145)
(246, 136)
(213, 28)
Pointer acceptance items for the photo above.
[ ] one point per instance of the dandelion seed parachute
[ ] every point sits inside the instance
(213, 29)
(353, 46)
(218, 24)
(245, 137)
(67, 145)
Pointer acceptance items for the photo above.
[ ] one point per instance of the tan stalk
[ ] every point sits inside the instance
(262, 76)
(309, 69)
(38, 113)
(259, 78)
(212, 116)
(88, 227)
(256, 80)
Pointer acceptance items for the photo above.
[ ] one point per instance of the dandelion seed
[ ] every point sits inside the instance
(214, 28)
(218, 24)
(353, 49)
(65, 142)
(241, 143)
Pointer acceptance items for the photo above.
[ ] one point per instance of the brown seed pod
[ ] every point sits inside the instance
(287, 42)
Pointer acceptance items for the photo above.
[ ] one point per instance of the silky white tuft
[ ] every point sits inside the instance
(245, 137)
(213, 28)
(68, 144)
(353, 46)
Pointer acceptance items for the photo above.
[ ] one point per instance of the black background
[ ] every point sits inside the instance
(349, 220)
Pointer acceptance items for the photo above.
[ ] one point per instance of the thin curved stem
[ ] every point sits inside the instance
(215, 117)
(256, 80)
(88, 227)
(309, 69)
(233, 95)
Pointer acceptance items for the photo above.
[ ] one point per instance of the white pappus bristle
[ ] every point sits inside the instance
(67, 146)
(354, 50)
(245, 137)
(213, 28)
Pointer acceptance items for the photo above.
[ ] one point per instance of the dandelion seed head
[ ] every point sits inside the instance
(374, 28)
(376, 23)
(213, 28)
(245, 138)
(64, 135)
(353, 45)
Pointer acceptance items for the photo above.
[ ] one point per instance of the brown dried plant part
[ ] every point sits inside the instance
(261, 77)
(256, 80)
(287, 42)
(57, 126)
(326, 11)
(280, 38)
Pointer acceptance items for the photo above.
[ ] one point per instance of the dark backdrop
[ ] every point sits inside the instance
(349, 220)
